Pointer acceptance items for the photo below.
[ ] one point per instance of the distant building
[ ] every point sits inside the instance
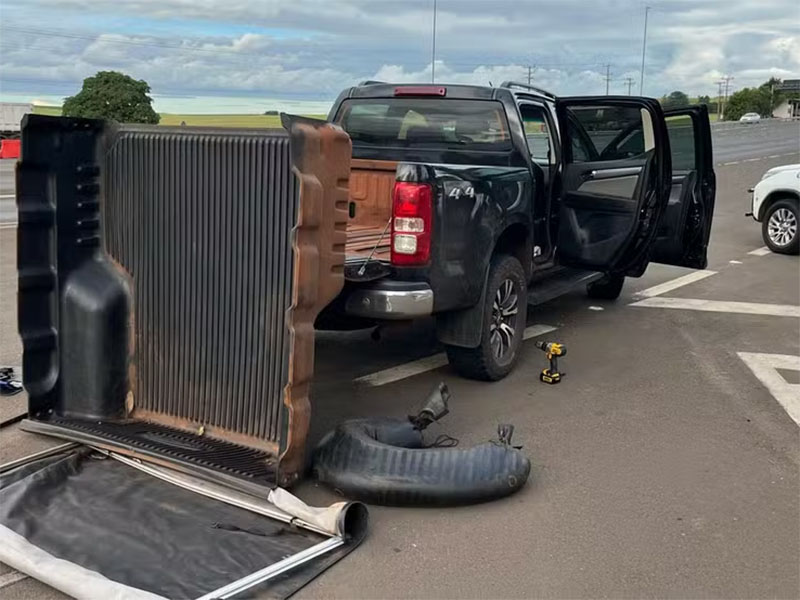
(787, 109)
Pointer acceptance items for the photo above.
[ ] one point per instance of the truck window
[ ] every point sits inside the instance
(608, 133)
(426, 122)
(681, 142)
(537, 133)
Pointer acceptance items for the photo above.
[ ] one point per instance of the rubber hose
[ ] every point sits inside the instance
(384, 461)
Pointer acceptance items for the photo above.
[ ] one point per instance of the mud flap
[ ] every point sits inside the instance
(463, 327)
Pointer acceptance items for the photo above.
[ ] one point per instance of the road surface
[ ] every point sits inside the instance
(664, 465)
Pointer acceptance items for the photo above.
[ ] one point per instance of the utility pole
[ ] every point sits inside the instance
(608, 76)
(726, 82)
(433, 46)
(644, 48)
(530, 74)
(719, 100)
(629, 82)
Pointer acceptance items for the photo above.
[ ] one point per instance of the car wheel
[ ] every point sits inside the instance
(504, 319)
(607, 288)
(779, 227)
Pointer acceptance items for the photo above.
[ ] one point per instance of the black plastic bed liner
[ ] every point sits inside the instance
(244, 468)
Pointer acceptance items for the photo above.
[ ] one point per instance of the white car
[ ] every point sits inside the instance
(750, 118)
(776, 204)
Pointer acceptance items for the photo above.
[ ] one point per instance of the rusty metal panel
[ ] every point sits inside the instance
(212, 252)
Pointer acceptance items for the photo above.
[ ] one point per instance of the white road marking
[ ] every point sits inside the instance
(673, 284)
(749, 308)
(763, 251)
(765, 368)
(8, 225)
(735, 262)
(596, 308)
(429, 363)
(11, 578)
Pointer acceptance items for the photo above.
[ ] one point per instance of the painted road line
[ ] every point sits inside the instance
(7, 196)
(536, 330)
(11, 578)
(747, 308)
(12, 225)
(673, 284)
(763, 251)
(429, 363)
(765, 368)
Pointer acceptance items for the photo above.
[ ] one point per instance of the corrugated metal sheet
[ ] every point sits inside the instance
(203, 223)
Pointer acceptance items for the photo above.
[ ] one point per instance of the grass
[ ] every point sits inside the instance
(260, 121)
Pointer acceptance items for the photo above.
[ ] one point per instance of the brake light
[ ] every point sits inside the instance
(420, 90)
(412, 220)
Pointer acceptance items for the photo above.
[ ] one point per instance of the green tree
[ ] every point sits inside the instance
(675, 99)
(704, 100)
(747, 100)
(112, 95)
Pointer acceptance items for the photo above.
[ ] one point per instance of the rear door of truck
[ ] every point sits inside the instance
(615, 181)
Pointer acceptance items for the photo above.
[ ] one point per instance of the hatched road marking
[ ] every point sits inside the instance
(765, 368)
(749, 308)
(429, 363)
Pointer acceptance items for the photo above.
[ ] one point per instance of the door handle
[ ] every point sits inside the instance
(616, 172)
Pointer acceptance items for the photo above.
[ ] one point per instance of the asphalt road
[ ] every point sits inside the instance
(662, 465)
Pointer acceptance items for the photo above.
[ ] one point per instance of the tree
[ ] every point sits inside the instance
(704, 100)
(747, 100)
(675, 100)
(112, 95)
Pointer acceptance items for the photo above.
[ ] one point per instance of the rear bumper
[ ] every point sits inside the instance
(391, 300)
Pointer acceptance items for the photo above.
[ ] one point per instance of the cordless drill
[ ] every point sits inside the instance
(553, 350)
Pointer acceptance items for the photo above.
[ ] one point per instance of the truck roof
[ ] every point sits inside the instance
(382, 89)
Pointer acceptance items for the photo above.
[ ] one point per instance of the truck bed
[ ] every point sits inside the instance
(371, 184)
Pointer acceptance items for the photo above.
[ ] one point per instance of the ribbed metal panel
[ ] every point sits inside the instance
(202, 222)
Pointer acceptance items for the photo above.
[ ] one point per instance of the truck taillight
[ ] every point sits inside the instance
(412, 220)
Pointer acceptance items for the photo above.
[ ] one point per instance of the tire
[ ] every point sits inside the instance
(498, 351)
(607, 288)
(780, 227)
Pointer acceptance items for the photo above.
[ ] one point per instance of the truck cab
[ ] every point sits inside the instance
(467, 203)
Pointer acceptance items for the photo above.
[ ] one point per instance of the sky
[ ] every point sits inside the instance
(229, 56)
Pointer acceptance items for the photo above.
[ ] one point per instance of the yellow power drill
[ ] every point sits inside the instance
(553, 350)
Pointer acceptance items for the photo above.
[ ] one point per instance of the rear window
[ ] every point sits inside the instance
(426, 123)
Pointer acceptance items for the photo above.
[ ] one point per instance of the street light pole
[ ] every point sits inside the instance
(644, 47)
(433, 46)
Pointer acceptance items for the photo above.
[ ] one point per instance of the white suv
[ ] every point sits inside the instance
(775, 203)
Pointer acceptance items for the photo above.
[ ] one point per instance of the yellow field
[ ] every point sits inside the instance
(266, 121)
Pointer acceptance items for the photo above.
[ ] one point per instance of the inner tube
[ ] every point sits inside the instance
(386, 461)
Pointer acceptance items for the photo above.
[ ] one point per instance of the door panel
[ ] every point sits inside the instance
(685, 226)
(613, 170)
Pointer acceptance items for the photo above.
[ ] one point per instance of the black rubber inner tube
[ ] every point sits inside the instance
(385, 461)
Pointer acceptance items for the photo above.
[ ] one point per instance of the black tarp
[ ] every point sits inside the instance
(145, 533)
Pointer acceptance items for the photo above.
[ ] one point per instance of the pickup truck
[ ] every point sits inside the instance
(469, 202)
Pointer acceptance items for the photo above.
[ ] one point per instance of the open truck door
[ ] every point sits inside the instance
(685, 226)
(615, 181)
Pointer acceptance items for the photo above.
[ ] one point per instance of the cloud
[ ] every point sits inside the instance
(311, 49)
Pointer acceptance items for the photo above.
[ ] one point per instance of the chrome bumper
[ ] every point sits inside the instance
(377, 303)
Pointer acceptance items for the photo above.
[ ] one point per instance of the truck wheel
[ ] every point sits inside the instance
(504, 318)
(607, 288)
(779, 227)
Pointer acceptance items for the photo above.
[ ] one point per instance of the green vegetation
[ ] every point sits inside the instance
(762, 100)
(268, 121)
(112, 95)
(675, 99)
